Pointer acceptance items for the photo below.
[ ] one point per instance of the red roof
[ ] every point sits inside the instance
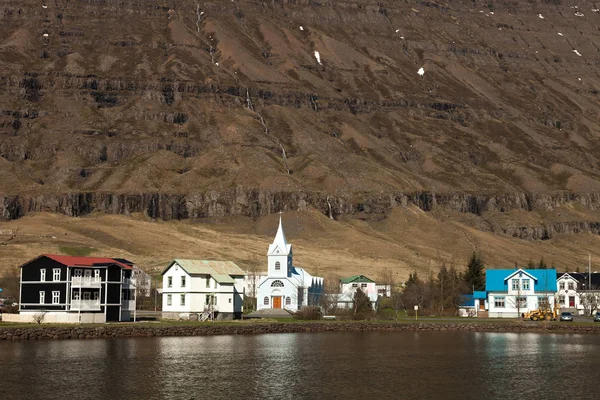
(72, 261)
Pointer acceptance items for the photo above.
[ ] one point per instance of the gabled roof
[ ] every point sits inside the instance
(77, 261)
(582, 277)
(467, 300)
(221, 271)
(544, 280)
(356, 278)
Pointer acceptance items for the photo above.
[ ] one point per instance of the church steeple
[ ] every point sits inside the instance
(280, 255)
(280, 246)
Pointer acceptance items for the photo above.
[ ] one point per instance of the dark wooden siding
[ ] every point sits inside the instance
(31, 271)
(114, 273)
(114, 293)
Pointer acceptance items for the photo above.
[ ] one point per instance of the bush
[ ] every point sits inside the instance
(308, 314)
(12, 309)
(38, 318)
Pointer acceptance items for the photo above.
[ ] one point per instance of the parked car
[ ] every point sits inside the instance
(597, 316)
(566, 316)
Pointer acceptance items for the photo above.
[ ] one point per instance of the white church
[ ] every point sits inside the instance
(285, 285)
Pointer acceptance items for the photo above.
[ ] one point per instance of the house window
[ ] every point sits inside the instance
(525, 284)
(97, 275)
(561, 299)
(56, 274)
(182, 299)
(215, 300)
(571, 286)
(76, 295)
(96, 296)
(515, 284)
(288, 301)
(521, 302)
(42, 275)
(355, 285)
(208, 282)
(499, 302)
(562, 286)
(169, 300)
(215, 284)
(277, 283)
(543, 302)
(277, 266)
(230, 300)
(55, 297)
(266, 301)
(170, 281)
(42, 297)
(363, 285)
(183, 281)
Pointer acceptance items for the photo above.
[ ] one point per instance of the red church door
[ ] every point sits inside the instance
(277, 302)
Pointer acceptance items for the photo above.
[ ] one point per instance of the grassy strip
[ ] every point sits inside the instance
(426, 320)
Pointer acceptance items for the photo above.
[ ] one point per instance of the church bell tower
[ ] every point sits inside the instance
(280, 255)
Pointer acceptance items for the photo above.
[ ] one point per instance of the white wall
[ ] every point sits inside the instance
(196, 290)
(510, 309)
(56, 317)
(370, 289)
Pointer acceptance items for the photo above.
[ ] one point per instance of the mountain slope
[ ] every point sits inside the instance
(208, 109)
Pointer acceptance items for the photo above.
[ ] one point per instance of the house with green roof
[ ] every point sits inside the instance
(202, 289)
(349, 285)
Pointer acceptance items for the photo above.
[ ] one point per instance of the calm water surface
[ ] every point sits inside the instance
(386, 365)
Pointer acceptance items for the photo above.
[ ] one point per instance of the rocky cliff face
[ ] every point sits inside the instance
(193, 109)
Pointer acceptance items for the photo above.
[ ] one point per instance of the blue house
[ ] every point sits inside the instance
(509, 293)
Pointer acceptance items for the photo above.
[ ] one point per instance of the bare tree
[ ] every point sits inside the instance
(331, 291)
(589, 298)
(253, 277)
(39, 317)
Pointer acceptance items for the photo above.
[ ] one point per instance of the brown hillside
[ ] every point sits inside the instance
(204, 111)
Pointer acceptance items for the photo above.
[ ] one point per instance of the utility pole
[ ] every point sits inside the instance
(590, 271)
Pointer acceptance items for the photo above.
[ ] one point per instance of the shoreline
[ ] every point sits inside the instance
(209, 329)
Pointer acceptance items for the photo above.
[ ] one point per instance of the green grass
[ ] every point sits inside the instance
(77, 251)
(407, 320)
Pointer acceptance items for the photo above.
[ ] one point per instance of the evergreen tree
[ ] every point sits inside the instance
(542, 264)
(475, 274)
(362, 305)
(413, 278)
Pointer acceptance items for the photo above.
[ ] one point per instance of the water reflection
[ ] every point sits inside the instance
(423, 365)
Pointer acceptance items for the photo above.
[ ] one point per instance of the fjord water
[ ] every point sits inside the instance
(373, 365)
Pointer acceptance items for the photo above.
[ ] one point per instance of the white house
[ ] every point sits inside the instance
(513, 292)
(285, 285)
(348, 287)
(578, 292)
(202, 288)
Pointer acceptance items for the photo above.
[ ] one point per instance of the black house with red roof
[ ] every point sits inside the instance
(77, 289)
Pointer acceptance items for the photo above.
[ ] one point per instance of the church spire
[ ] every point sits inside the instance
(280, 245)
(280, 236)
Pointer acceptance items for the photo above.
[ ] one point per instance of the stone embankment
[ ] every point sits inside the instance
(125, 330)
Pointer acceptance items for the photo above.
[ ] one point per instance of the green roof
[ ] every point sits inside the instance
(356, 278)
(221, 271)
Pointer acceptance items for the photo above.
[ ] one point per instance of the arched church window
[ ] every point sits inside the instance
(277, 266)
(288, 301)
(277, 283)
(266, 301)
